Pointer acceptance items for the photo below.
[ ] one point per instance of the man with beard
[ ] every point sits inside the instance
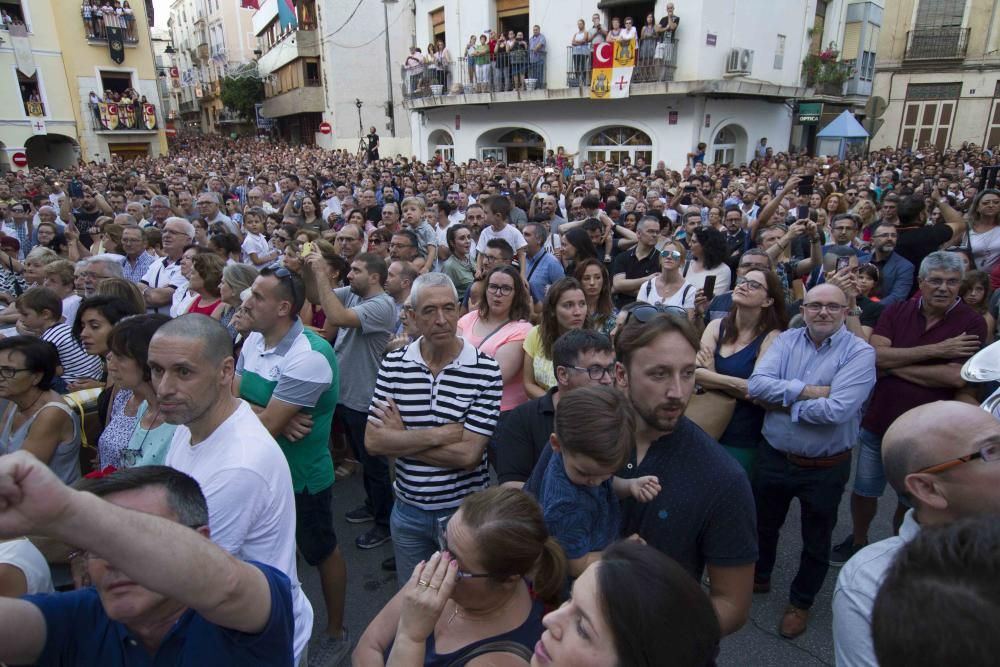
(85, 216)
(895, 271)
(366, 316)
(704, 518)
(815, 382)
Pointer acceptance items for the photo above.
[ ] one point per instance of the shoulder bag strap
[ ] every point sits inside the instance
(499, 646)
(535, 264)
(490, 334)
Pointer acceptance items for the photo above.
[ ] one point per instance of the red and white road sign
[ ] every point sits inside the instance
(325, 128)
(19, 159)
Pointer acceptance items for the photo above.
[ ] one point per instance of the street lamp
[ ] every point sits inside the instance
(170, 50)
(388, 68)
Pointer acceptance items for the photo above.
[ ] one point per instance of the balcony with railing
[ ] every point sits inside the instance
(946, 43)
(97, 22)
(513, 76)
(120, 117)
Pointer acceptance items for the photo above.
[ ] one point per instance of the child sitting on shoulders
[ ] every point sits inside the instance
(594, 437)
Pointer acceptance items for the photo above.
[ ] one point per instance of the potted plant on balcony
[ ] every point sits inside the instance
(825, 71)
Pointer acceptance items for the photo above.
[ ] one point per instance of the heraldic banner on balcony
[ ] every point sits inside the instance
(612, 65)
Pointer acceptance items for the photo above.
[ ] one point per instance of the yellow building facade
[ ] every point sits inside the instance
(938, 71)
(54, 55)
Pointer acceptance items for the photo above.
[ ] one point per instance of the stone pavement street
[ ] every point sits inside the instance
(756, 645)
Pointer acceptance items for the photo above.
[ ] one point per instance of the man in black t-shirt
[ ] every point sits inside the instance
(668, 24)
(918, 239)
(633, 267)
(704, 517)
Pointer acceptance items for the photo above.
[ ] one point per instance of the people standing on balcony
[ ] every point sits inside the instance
(519, 61)
(615, 34)
(667, 28)
(536, 56)
(628, 32)
(470, 59)
(647, 50)
(443, 56)
(597, 32)
(581, 55)
(431, 70)
(501, 65)
(414, 66)
(129, 16)
(481, 55)
(88, 19)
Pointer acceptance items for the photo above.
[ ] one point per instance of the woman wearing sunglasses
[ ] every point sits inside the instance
(669, 287)
(730, 348)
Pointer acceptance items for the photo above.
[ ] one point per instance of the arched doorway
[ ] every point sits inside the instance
(52, 150)
(614, 144)
(440, 141)
(4, 160)
(730, 145)
(507, 144)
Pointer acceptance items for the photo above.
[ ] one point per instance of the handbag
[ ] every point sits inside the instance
(661, 51)
(711, 410)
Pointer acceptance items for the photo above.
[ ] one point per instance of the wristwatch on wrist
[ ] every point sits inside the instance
(854, 312)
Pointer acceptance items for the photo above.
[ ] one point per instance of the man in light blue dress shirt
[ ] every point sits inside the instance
(815, 382)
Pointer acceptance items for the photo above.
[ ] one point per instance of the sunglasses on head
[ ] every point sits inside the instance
(645, 312)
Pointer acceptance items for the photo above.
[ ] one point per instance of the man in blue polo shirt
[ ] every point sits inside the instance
(162, 592)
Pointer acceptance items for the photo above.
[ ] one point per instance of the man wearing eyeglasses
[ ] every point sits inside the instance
(815, 382)
(163, 278)
(943, 458)
(159, 584)
(920, 346)
(580, 358)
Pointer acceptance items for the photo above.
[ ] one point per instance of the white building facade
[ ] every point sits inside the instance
(355, 67)
(211, 38)
(727, 81)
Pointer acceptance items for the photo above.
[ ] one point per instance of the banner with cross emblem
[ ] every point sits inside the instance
(612, 66)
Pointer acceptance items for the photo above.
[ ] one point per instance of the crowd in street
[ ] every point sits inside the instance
(581, 398)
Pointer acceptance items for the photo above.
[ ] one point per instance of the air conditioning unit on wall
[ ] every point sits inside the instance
(740, 61)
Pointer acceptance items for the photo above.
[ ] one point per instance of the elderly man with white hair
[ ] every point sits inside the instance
(97, 268)
(164, 277)
(159, 211)
(209, 207)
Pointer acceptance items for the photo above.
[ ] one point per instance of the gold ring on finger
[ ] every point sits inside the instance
(433, 586)
(421, 582)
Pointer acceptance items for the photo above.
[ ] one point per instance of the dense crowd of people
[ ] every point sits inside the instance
(580, 396)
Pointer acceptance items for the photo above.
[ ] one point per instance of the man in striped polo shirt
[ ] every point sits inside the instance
(289, 376)
(435, 406)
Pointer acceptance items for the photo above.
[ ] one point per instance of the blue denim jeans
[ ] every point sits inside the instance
(414, 536)
(869, 480)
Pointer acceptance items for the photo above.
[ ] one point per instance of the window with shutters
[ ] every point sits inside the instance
(993, 128)
(928, 115)
(437, 24)
(513, 15)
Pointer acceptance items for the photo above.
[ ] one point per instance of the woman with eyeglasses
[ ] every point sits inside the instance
(983, 235)
(730, 348)
(596, 283)
(378, 242)
(482, 595)
(499, 328)
(35, 418)
(148, 440)
(564, 308)
(669, 287)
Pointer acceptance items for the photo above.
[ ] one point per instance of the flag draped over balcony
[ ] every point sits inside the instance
(286, 14)
(250, 4)
(611, 76)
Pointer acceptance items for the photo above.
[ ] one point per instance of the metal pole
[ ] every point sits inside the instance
(388, 72)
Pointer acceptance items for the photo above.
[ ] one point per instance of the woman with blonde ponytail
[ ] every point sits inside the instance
(482, 594)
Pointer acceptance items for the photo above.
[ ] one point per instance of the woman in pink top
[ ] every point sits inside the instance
(498, 328)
